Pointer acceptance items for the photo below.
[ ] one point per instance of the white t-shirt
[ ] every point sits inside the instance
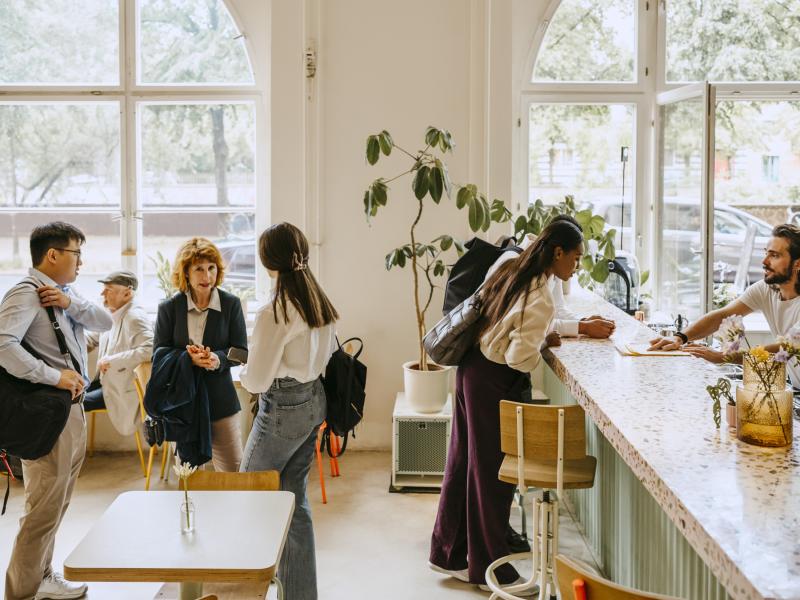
(781, 315)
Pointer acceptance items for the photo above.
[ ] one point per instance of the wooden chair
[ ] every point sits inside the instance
(141, 378)
(250, 481)
(576, 582)
(92, 427)
(544, 446)
(247, 481)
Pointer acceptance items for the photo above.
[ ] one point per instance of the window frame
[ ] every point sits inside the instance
(129, 94)
(647, 93)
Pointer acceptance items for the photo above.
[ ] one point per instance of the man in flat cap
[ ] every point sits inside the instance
(119, 351)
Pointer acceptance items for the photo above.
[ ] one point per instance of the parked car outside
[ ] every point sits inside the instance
(681, 234)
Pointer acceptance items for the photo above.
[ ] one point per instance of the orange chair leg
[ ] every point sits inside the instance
(141, 453)
(319, 466)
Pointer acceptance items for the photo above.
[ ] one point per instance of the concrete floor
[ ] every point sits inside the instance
(370, 543)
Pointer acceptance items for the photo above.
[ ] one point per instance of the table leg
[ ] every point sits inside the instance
(191, 590)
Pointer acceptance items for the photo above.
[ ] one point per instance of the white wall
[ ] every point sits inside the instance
(400, 66)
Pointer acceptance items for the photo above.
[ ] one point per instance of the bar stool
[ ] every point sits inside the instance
(578, 583)
(545, 447)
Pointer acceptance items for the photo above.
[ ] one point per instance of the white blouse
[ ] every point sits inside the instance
(196, 317)
(281, 349)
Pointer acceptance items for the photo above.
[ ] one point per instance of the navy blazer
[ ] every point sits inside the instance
(224, 329)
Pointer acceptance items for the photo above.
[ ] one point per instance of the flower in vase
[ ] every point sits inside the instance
(183, 470)
(781, 356)
(731, 333)
(759, 354)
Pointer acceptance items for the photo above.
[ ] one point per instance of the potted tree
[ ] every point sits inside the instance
(425, 382)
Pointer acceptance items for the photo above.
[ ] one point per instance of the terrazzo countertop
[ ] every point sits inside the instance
(737, 505)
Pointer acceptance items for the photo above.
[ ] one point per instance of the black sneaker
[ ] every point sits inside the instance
(516, 543)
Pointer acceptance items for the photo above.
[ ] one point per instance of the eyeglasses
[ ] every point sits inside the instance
(75, 252)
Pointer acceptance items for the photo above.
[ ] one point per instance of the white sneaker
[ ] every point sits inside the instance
(53, 587)
(462, 575)
(524, 594)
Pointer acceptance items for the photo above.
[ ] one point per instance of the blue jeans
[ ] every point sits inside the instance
(283, 439)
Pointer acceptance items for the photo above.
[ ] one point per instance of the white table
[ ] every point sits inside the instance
(238, 537)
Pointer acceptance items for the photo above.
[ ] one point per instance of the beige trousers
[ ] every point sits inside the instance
(226, 444)
(48, 481)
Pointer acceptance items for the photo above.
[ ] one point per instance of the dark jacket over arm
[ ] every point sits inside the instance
(224, 329)
(176, 392)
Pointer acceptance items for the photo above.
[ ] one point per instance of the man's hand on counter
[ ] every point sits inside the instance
(667, 344)
(596, 327)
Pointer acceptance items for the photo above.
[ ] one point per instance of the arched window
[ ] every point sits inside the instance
(612, 112)
(136, 121)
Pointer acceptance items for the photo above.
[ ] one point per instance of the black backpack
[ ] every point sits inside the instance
(32, 415)
(345, 383)
(469, 271)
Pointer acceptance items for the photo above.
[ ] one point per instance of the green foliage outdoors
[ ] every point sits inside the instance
(430, 179)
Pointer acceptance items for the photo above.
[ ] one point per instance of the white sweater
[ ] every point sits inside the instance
(283, 349)
(566, 323)
(517, 339)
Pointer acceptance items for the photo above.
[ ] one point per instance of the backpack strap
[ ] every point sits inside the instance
(62, 341)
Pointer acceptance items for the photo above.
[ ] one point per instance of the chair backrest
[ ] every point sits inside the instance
(597, 588)
(251, 481)
(141, 377)
(540, 430)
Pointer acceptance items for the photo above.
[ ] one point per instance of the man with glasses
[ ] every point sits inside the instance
(120, 351)
(29, 350)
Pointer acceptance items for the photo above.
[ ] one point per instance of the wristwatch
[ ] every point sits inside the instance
(683, 336)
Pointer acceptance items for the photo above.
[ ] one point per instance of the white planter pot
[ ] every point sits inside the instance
(426, 391)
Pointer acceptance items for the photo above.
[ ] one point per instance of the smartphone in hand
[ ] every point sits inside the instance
(237, 355)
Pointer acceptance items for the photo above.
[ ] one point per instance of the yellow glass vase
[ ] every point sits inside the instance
(764, 405)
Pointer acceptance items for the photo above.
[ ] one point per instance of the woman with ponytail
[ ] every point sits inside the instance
(293, 339)
(518, 308)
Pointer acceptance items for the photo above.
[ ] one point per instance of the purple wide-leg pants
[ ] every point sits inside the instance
(474, 507)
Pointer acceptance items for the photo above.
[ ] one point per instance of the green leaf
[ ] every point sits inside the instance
(438, 268)
(373, 149)
(600, 271)
(608, 251)
(435, 183)
(431, 136)
(474, 215)
(386, 142)
(369, 209)
(645, 276)
(460, 250)
(462, 197)
(420, 184)
(391, 259)
(596, 225)
(379, 192)
(587, 262)
(520, 226)
(499, 213)
(485, 214)
(406, 250)
(446, 242)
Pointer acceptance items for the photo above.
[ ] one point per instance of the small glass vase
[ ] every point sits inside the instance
(187, 517)
(764, 405)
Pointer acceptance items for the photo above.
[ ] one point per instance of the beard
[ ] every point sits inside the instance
(775, 278)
